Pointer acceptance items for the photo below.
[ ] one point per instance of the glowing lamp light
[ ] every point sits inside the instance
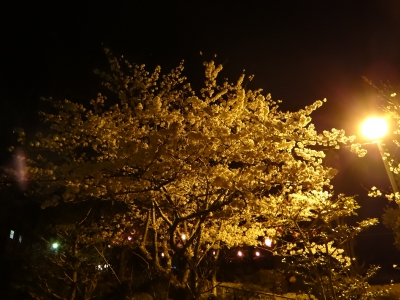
(374, 128)
(54, 246)
(257, 253)
(162, 254)
(213, 252)
(240, 253)
(183, 236)
(268, 242)
(129, 238)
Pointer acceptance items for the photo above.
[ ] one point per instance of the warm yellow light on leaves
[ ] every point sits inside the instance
(374, 128)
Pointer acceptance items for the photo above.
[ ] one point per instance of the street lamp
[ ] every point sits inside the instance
(375, 129)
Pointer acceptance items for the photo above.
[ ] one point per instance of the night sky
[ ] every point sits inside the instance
(299, 51)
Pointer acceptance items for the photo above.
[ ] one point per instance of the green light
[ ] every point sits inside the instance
(54, 246)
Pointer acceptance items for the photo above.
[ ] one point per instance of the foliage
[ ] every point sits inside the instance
(319, 255)
(391, 108)
(195, 172)
(70, 259)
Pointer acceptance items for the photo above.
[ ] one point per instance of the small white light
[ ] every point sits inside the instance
(240, 254)
(257, 253)
(162, 254)
(213, 252)
(11, 234)
(268, 242)
(129, 238)
(20, 239)
(54, 246)
(183, 236)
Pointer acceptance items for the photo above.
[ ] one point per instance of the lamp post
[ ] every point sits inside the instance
(375, 129)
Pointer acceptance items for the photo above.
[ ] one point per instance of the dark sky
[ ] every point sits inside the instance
(299, 51)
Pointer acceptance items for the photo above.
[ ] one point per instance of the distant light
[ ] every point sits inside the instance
(129, 238)
(213, 252)
(99, 267)
(183, 236)
(54, 246)
(268, 242)
(162, 254)
(20, 239)
(240, 253)
(11, 234)
(374, 128)
(257, 253)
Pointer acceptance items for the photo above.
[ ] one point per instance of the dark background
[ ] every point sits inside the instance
(299, 51)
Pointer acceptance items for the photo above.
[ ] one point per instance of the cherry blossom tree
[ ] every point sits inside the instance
(390, 143)
(197, 171)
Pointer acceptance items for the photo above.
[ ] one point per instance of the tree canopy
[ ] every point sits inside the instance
(196, 171)
(389, 144)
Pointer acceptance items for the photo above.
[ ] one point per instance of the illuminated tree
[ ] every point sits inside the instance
(319, 253)
(197, 172)
(389, 146)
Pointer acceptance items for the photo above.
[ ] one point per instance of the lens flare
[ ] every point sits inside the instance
(21, 174)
